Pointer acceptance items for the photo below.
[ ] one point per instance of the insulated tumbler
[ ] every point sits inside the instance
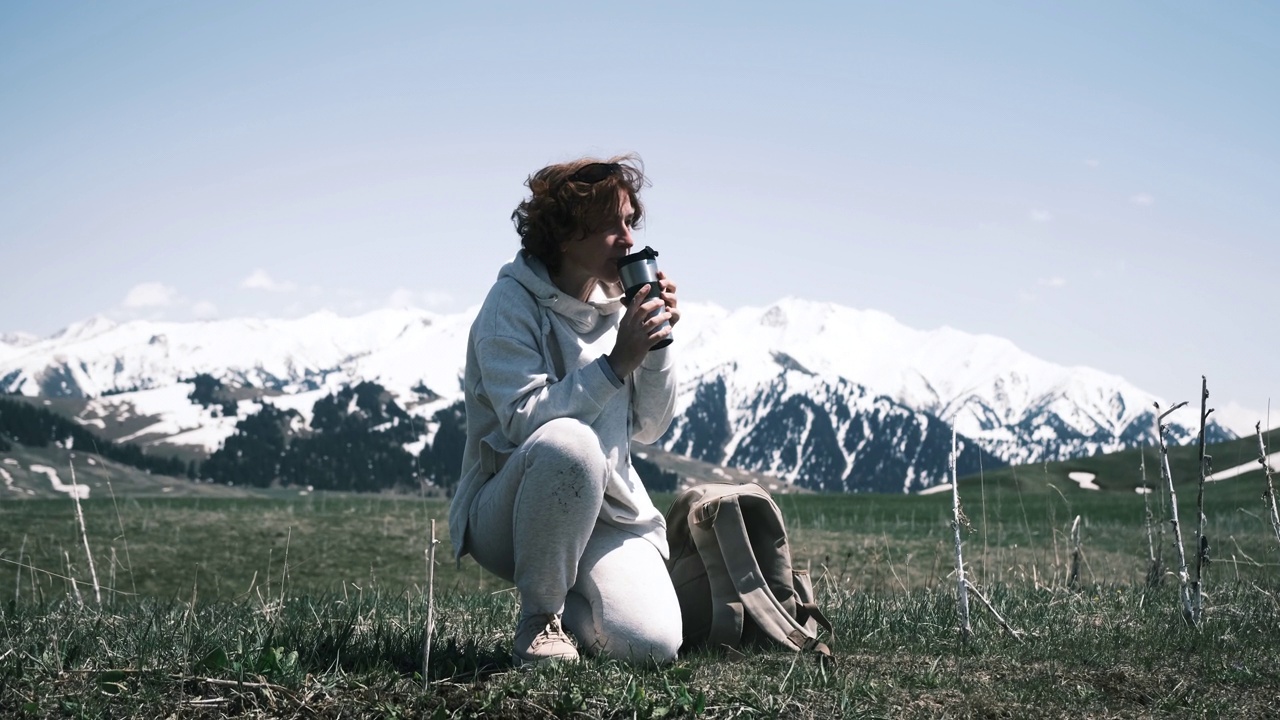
(637, 270)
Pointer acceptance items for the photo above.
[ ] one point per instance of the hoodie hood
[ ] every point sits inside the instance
(533, 276)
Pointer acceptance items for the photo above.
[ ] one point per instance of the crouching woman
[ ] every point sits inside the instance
(559, 380)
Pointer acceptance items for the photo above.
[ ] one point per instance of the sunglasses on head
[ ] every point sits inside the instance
(595, 172)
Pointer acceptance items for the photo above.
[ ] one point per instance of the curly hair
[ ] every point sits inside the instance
(563, 206)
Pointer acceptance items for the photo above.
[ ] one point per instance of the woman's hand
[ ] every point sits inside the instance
(669, 296)
(638, 332)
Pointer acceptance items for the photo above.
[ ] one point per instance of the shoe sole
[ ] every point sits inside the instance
(518, 661)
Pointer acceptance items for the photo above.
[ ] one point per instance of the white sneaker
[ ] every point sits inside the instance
(540, 638)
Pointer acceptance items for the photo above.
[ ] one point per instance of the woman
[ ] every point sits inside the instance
(559, 380)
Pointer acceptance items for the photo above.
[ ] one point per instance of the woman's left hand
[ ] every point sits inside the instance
(669, 297)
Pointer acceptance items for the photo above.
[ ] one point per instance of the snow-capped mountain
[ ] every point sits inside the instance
(17, 339)
(1017, 406)
(399, 349)
(12, 344)
(816, 432)
(817, 394)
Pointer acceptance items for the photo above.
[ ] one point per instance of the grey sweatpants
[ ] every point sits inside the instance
(536, 524)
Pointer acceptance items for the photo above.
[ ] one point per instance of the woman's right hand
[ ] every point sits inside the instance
(638, 332)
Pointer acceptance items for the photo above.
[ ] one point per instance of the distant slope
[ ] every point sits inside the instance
(35, 426)
(691, 471)
(46, 473)
(1122, 472)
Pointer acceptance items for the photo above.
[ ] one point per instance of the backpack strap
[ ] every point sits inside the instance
(807, 612)
(735, 555)
(727, 611)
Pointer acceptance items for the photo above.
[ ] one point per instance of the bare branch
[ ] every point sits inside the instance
(1184, 590)
(1155, 551)
(1269, 492)
(1073, 579)
(1202, 542)
(1165, 414)
(962, 594)
(431, 608)
(84, 535)
(1017, 634)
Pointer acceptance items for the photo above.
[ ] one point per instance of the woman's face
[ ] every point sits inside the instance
(596, 255)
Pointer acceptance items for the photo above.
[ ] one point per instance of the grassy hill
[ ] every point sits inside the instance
(313, 605)
(1121, 472)
(102, 477)
(1046, 492)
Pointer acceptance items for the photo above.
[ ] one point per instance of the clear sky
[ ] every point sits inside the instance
(1097, 182)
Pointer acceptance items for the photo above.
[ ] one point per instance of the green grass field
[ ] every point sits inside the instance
(290, 605)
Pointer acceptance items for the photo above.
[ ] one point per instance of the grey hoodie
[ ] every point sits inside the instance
(536, 354)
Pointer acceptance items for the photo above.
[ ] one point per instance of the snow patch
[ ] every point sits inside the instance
(301, 402)
(181, 421)
(1142, 490)
(1084, 479)
(8, 480)
(1273, 460)
(935, 489)
(78, 491)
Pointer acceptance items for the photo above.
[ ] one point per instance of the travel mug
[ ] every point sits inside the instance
(637, 270)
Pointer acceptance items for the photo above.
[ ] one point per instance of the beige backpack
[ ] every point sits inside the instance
(731, 567)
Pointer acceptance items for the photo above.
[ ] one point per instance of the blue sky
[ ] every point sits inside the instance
(1097, 182)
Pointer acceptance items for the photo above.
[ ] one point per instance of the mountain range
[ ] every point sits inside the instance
(818, 395)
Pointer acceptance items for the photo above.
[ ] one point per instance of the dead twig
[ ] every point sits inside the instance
(32, 570)
(1184, 580)
(1073, 579)
(1155, 550)
(17, 583)
(431, 608)
(1016, 634)
(1202, 541)
(234, 683)
(75, 586)
(957, 519)
(1269, 492)
(84, 534)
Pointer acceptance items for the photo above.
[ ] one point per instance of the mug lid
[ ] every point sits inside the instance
(647, 253)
